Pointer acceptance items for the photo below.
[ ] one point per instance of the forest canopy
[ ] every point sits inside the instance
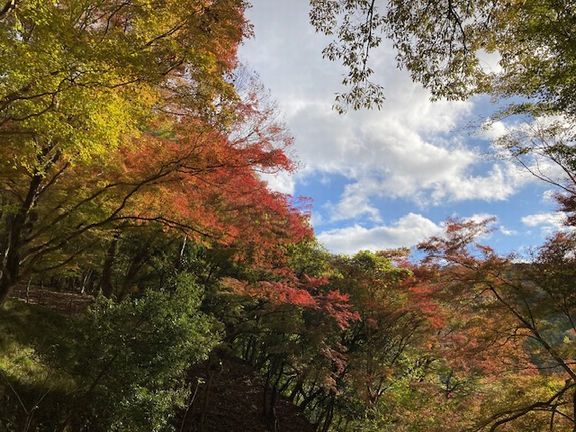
(143, 257)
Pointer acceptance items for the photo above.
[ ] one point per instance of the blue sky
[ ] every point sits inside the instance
(388, 178)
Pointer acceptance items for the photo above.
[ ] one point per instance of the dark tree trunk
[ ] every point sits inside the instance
(108, 267)
(285, 386)
(10, 267)
(574, 410)
(265, 394)
(251, 350)
(312, 394)
(270, 395)
(298, 387)
(135, 265)
(329, 415)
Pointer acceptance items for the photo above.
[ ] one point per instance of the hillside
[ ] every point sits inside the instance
(228, 398)
(234, 400)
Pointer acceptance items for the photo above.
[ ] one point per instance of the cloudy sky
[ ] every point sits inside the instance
(387, 178)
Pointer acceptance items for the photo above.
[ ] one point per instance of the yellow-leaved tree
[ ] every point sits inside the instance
(81, 79)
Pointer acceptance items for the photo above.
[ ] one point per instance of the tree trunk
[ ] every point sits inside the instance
(299, 386)
(310, 398)
(135, 265)
(108, 266)
(285, 386)
(329, 415)
(270, 396)
(10, 267)
(265, 395)
(574, 410)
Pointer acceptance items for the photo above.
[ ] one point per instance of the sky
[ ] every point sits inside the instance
(388, 178)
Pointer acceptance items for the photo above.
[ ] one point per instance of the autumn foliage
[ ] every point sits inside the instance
(133, 152)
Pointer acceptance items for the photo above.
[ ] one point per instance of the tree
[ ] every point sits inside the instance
(545, 147)
(387, 326)
(332, 333)
(193, 178)
(83, 79)
(533, 332)
(441, 43)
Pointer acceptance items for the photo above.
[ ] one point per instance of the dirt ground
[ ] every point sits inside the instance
(234, 403)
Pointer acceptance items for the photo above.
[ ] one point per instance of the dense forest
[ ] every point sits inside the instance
(150, 280)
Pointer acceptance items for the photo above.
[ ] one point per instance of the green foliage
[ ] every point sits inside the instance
(120, 367)
(129, 359)
(119, 119)
(83, 77)
(26, 379)
(442, 44)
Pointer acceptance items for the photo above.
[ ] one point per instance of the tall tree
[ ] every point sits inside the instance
(192, 177)
(82, 79)
(533, 331)
(441, 44)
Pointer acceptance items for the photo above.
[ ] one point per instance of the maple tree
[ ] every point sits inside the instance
(83, 79)
(192, 178)
(509, 317)
(331, 333)
(132, 145)
(377, 341)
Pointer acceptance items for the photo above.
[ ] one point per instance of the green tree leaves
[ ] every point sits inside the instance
(441, 42)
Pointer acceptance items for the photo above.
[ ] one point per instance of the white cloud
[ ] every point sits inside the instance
(494, 130)
(280, 182)
(479, 217)
(400, 151)
(506, 231)
(489, 62)
(407, 231)
(547, 222)
(548, 196)
(494, 223)
(354, 204)
(316, 218)
(441, 181)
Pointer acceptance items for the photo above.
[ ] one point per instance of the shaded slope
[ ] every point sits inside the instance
(229, 398)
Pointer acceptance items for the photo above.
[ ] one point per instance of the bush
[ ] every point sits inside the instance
(129, 359)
